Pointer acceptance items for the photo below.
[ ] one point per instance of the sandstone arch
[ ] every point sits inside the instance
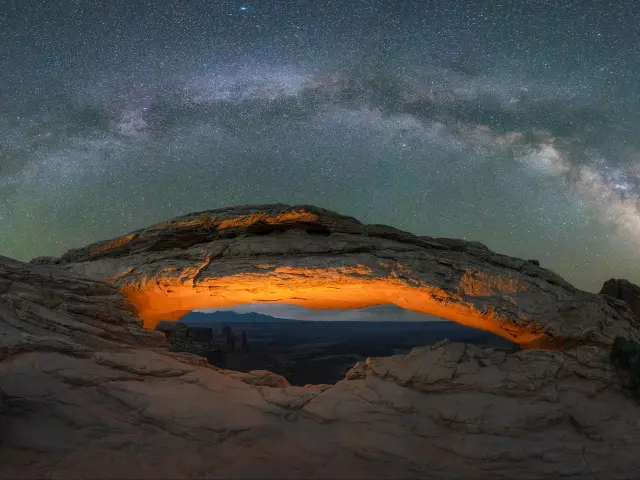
(316, 258)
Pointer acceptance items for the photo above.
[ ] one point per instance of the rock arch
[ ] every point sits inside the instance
(316, 258)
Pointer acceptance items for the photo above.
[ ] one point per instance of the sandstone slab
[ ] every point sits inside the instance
(86, 392)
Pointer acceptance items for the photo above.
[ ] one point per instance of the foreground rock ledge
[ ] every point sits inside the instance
(86, 392)
(316, 258)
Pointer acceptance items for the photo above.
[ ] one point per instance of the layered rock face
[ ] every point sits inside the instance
(41, 304)
(86, 392)
(316, 258)
(623, 290)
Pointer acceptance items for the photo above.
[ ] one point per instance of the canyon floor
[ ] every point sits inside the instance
(322, 352)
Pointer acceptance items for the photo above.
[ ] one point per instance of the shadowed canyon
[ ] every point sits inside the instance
(313, 351)
(88, 388)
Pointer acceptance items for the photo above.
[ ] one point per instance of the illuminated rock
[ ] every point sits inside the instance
(316, 258)
(86, 392)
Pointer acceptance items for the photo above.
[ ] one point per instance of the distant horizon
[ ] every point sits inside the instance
(378, 313)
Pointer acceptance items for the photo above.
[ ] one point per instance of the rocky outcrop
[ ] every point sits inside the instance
(201, 334)
(185, 332)
(625, 354)
(45, 304)
(316, 258)
(201, 341)
(86, 392)
(173, 329)
(228, 338)
(623, 290)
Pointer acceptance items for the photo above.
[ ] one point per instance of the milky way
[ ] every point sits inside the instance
(513, 126)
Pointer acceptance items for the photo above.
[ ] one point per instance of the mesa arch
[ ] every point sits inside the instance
(316, 258)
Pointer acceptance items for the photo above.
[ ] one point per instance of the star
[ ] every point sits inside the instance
(456, 121)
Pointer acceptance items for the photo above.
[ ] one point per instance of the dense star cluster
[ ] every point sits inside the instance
(511, 123)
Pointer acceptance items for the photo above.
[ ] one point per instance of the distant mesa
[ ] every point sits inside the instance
(227, 316)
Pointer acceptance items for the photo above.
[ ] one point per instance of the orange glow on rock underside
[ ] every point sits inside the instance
(342, 287)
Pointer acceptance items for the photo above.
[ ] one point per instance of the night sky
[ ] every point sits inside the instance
(516, 124)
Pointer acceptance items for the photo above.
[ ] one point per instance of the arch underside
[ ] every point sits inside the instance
(158, 301)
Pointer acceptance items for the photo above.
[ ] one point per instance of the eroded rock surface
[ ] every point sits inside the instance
(623, 290)
(316, 258)
(85, 392)
(47, 304)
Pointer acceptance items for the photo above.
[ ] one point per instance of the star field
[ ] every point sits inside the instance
(511, 123)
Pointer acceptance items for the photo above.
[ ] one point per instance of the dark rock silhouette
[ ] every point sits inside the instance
(216, 358)
(181, 330)
(625, 354)
(624, 290)
(185, 338)
(200, 334)
(228, 339)
(202, 341)
(173, 330)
